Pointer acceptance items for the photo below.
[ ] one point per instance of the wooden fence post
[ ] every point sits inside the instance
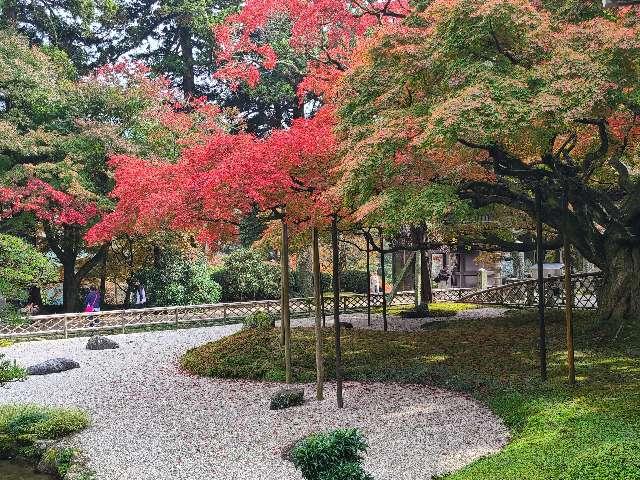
(175, 314)
(224, 315)
(344, 304)
(124, 323)
(66, 328)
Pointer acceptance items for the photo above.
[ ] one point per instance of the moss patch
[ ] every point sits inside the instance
(21, 426)
(438, 309)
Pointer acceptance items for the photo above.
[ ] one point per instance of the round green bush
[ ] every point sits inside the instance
(336, 455)
(258, 319)
(176, 280)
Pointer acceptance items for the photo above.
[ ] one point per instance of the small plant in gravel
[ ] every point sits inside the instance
(287, 397)
(336, 455)
(258, 319)
(10, 371)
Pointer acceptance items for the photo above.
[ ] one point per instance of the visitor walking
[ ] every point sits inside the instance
(92, 304)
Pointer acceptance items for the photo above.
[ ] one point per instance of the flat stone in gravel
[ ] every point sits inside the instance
(151, 421)
(101, 343)
(54, 365)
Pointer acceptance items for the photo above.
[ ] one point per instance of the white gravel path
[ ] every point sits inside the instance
(153, 422)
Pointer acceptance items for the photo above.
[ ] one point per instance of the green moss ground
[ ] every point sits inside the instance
(22, 425)
(587, 432)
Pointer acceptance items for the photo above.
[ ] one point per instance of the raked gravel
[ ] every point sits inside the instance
(151, 421)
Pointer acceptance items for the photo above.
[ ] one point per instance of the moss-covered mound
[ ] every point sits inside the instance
(29, 432)
(587, 432)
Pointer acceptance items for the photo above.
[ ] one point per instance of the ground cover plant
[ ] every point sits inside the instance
(10, 370)
(587, 432)
(21, 426)
(335, 455)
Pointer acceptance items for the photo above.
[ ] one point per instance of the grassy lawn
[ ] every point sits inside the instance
(587, 432)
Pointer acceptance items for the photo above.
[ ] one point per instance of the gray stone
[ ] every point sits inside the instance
(287, 397)
(101, 343)
(55, 365)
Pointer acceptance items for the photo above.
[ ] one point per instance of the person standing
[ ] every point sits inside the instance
(92, 302)
(140, 296)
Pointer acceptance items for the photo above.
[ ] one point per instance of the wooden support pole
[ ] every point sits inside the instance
(336, 309)
(284, 323)
(368, 283)
(568, 309)
(317, 293)
(383, 282)
(568, 313)
(541, 296)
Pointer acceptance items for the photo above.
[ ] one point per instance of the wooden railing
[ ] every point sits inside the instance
(525, 293)
(185, 316)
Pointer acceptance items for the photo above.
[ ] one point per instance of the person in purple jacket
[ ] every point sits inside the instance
(92, 304)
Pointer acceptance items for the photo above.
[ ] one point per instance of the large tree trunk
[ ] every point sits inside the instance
(619, 297)
(10, 13)
(304, 270)
(70, 287)
(426, 292)
(317, 296)
(186, 47)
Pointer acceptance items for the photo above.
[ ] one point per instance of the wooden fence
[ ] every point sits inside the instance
(525, 293)
(192, 315)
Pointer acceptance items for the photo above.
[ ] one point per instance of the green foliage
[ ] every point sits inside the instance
(287, 397)
(355, 281)
(21, 266)
(587, 432)
(11, 315)
(10, 371)
(61, 458)
(22, 425)
(245, 275)
(335, 455)
(180, 281)
(258, 319)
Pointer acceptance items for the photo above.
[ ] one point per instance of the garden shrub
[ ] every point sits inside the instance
(21, 266)
(10, 371)
(245, 275)
(336, 455)
(287, 397)
(11, 315)
(354, 281)
(180, 281)
(259, 319)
